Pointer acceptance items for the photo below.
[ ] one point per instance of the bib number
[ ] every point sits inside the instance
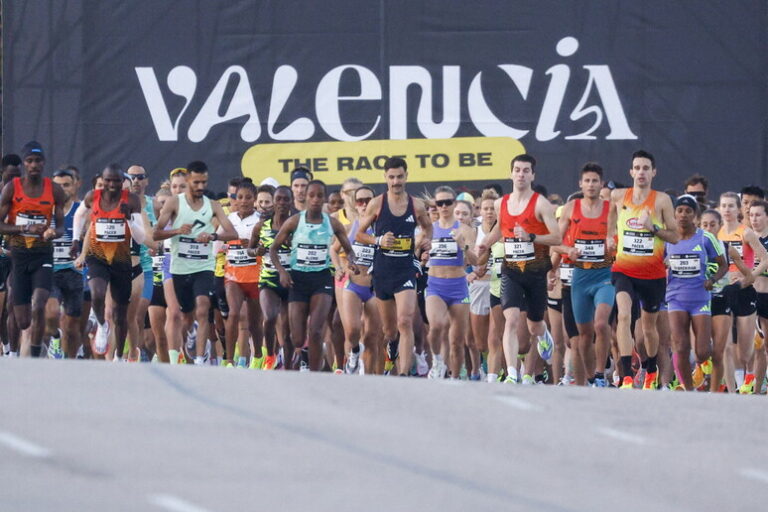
(517, 250)
(363, 254)
(312, 255)
(497, 262)
(237, 256)
(191, 250)
(566, 273)
(638, 243)
(28, 219)
(400, 247)
(685, 266)
(444, 249)
(590, 250)
(110, 230)
(61, 251)
(284, 255)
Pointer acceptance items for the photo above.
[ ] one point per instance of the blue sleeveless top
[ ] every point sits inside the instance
(398, 259)
(310, 245)
(445, 251)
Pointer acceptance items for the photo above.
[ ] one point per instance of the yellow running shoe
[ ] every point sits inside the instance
(627, 383)
(651, 380)
(748, 388)
(706, 367)
(256, 363)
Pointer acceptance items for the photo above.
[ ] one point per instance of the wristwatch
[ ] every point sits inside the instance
(655, 229)
(532, 237)
(214, 236)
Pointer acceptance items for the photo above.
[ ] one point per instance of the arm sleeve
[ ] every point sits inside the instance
(79, 221)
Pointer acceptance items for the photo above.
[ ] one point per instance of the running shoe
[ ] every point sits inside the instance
(303, 366)
(422, 367)
(651, 380)
(338, 371)
(476, 377)
(545, 345)
(353, 362)
(748, 388)
(256, 363)
(706, 367)
(229, 365)
(600, 382)
(54, 348)
(698, 376)
(627, 383)
(391, 356)
(528, 380)
(510, 380)
(199, 361)
(640, 377)
(269, 363)
(192, 338)
(438, 370)
(566, 380)
(101, 340)
(242, 362)
(144, 356)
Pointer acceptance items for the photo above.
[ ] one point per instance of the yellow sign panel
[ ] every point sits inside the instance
(429, 160)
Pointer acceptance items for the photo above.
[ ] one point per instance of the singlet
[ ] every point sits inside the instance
(364, 253)
(588, 235)
(639, 253)
(688, 263)
(62, 258)
(310, 245)
(30, 210)
(523, 255)
(240, 267)
(110, 235)
(187, 255)
(445, 251)
(395, 261)
(736, 240)
(267, 238)
(496, 261)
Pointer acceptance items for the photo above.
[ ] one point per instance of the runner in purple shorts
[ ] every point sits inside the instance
(688, 287)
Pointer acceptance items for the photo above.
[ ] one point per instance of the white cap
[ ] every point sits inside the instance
(270, 181)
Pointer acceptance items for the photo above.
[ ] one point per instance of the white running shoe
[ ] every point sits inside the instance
(192, 338)
(438, 370)
(353, 362)
(199, 361)
(422, 368)
(101, 340)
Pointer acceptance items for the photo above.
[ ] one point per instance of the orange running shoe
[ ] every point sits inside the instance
(748, 388)
(651, 380)
(627, 383)
(269, 363)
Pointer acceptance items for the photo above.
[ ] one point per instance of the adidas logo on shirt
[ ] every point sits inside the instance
(410, 219)
(698, 248)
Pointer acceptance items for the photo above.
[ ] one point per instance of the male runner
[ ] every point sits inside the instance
(192, 261)
(300, 178)
(115, 220)
(396, 214)
(11, 168)
(644, 219)
(27, 206)
(527, 226)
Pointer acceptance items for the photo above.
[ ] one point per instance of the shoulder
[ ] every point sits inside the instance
(618, 194)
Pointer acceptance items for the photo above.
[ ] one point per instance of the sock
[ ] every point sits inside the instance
(356, 349)
(492, 377)
(626, 365)
(512, 372)
(652, 368)
(608, 362)
(173, 355)
(241, 361)
(739, 376)
(540, 378)
(35, 350)
(644, 364)
(439, 357)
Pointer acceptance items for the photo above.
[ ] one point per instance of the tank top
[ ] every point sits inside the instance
(110, 235)
(267, 238)
(240, 266)
(30, 210)
(640, 254)
(187, 255)
(445, 251)
(310, 245)
(363, 252)
(395, 261)
(736, 240)
(62, 246)
(496, 262)
(688, 262)
(523, 255)
(588, 235)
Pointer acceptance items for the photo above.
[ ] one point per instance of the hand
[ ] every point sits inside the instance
(36, 229)
(49, 234)
(521, 234)
(481, 271)
(204, 238)
(471, 277)
(424, 258)
(708, 284)
(610, 245)
(285, 279)
(74, 251)
(551, 280)
(184, 229)
(573, 254)
(387, 240)
(645, 219)
(457, 237)
(353, 268)
(426, 245)
(480, 249)
(260, 250)
(340, 273)
(125, 210)
(80, 261)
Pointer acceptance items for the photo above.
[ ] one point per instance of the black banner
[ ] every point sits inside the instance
(257, 87)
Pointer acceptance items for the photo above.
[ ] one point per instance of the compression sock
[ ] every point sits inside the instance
(35, 350)
(652, 367)
(626, 365)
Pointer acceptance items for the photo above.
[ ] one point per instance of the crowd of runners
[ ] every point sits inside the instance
(622, 286)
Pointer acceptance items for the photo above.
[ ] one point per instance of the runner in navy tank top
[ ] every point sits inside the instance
(394, 217)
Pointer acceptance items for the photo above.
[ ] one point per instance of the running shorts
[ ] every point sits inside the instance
(307, 284)
(650, 292)
(526, 291)
(189, 287)
(451, 290)
(589, 288)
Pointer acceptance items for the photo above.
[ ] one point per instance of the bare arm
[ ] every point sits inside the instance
(563, 224)
(341, 238)
(367, 220)
(613, 218)
(288, 227)
(668, 232)
(422, 217)
(760, 253)
(5, 206)
(166, 214)
(546, 211)
(468, 236)
(227, 229)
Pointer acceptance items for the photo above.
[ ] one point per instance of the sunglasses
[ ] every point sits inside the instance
(349, 191)
(64, 172)
(178, 170)
(136, 176)
(363, 201)
(444, 202)
(233, 196)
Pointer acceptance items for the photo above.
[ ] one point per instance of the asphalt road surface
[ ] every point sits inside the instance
(95, 436)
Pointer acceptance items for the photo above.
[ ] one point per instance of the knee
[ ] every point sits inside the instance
(601, 325)
(404, 323)
(703, 353)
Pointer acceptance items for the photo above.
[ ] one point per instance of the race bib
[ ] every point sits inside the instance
(685, 265)
(400, 247)
(363, 254)
(444, 248)
(110, 230)
(191, 250)
(284, 255)
(638, 243)
(517, 250)
(29, 219)
(497, 262)
(590, 250)
(61, 251)
(237, 256)
(739, 247)
(312, 255)
(157, 263)
(566, 273)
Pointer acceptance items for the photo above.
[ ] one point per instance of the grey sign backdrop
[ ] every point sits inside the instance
(136, 82)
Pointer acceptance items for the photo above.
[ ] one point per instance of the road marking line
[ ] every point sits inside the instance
(517, 403)
(622, 436)
(23, 446)
(173, 503)
(755, 474)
